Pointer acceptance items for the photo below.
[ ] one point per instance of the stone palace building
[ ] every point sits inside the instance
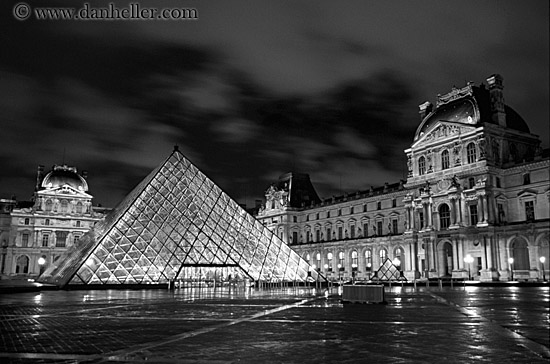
(475, 203)
(34, 234)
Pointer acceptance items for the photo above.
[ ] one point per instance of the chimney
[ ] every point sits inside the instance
(39, 177)
(498, 113)
(425, 109)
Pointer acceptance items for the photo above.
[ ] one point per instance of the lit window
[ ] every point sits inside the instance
(444, 216)
(383, 254)
(354, 258)
(421, 166)
(341, 259)
(529, 210)
(473, 214)
(471, 153)
(25, 240)
(45, 240)
(368, 259)
(445, 159)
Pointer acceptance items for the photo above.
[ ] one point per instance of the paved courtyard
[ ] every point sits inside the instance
(471, 324)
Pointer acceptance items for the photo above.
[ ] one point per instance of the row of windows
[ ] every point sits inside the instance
(47, 222)
(471, 157)
(63, 207)
(352, 210)
(60, 239)
(399, 254)
(328, 234)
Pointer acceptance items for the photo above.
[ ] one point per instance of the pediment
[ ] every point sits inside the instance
(444, 130)
(64, 190)
(528, 192)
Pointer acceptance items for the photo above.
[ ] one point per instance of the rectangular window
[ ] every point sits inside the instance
(294, 237)
(308, 234)
(45, 240)
(471, 182)
(329, 236)
(351, 210)
(526, 179)
(421, 219)
(365, 230)
(394, 226)
(379, 205)
(317, 235)
(340, 235)
(501, 214)
(317, 216)
(75, 239)
(379, 228)
(473, 215)
(498, 182)
(352, 231)
(25, 240)
(365, 208)
(529, 210)
(328, 214)
(394, 203)
(61, 238)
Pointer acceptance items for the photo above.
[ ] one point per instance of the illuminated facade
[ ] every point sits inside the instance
(34, 234)
(177, 225)
(475, 202)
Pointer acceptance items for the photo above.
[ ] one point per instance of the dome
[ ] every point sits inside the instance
(461, 111)
(64, 175)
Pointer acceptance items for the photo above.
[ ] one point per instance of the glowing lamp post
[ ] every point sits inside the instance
(353, 272)
(468, 259)
(511, 262)
(41, 261)
(340, 273)
(542, 260)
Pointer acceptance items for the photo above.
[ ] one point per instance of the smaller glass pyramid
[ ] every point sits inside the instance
(177, 224)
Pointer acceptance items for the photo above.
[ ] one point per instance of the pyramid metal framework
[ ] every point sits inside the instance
(175, 219)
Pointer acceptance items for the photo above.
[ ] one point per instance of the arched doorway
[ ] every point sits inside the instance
(520, 253)
(22, 264)
(445, 259)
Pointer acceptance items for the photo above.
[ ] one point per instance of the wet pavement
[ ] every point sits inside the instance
(472, 324)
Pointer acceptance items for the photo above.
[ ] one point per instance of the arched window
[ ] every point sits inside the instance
(329, 261)
(22, 264)
(49, 205)
(445, 159)
(399, 258)
(79, 208)
(308, 259)
(27, 221)
(471, 153)
(318, 256)
(341, 260)
(354, 259)
(421, 166)
(383, 254)
(444, 216)
(368, 259)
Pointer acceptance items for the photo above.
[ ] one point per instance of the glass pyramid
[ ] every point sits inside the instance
(177, 225)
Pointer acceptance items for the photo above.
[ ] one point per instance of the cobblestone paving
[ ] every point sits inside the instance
(424, 325)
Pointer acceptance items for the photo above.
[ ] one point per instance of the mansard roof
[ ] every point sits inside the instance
(469, 105)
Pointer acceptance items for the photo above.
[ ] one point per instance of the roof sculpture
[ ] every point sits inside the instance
(175, 218)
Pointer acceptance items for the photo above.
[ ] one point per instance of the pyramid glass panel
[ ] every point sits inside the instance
(176, 224)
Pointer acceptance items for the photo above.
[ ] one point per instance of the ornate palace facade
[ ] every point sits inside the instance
(35, 233)
(475, 202)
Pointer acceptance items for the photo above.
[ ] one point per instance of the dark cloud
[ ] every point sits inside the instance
(254, 89)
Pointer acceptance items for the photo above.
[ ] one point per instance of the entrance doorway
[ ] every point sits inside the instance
(445, 259)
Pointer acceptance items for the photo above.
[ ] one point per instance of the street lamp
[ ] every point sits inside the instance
(340, 273)
(369, 268)
(41, 262)
(542, 260)
(511, 262)
(468, 259)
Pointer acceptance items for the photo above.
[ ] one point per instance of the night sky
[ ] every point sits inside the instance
(254, 89)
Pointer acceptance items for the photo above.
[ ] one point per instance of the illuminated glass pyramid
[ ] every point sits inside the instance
(175, 223)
